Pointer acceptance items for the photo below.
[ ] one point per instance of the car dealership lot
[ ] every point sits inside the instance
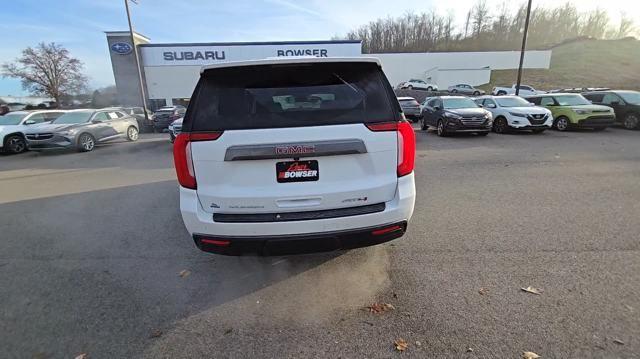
(93, 244)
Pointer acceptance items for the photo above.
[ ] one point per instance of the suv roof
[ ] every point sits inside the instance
(289, 60)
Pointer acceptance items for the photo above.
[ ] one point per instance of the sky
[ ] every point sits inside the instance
(79, 25)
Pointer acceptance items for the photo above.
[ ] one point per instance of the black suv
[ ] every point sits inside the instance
(163, 117)
(455, 114)
(626, 105)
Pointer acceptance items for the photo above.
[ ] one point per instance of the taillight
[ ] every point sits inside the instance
(406, 143)
(406, 148)
(182, 156)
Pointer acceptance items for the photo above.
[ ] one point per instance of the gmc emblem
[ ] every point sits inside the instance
(295, 149)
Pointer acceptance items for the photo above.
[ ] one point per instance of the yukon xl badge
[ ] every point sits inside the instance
(295, 149)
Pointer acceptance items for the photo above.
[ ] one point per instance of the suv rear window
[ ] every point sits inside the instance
(290, 95)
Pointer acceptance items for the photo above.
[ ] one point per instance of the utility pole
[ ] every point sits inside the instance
(137, 59)
(524, 46)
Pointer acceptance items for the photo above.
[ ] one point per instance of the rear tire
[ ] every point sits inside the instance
(500, 125)
(561, 123)
(476, 93)
(442, 132)
(501, 93)
(86, 142)
(454, 91)
(423, 125)
(15, 144)
(631, 121)
(429, 88)
(132, 134)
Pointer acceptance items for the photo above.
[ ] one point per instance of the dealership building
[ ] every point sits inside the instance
(170, 71)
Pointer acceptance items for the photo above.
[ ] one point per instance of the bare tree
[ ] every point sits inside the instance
(49, 70)
(626, 27)
(480, 17)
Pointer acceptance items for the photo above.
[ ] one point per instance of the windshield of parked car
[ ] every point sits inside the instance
(630, 97)
(462, 102)
(512, 102)
(271, 96)
(572, 100)
(74, 117)
(12, 118)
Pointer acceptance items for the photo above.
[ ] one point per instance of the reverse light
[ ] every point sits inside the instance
(182, 156)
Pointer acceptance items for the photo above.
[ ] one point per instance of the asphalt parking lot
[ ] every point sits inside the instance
(93, 244)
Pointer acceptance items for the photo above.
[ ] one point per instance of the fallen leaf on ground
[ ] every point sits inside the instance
(530, 355)
(401, 344)
(156, 333)
(228, 331)
(380, 307)
(618, 341)
(183, 273)
(469, 350)
(483, 291)
(82, 356)
(532, 290)
(418, 343)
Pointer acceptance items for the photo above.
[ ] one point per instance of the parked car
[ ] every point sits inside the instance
(4, 109)
(415, 84)
(259, 177)
(524, 90)
(145, 125)
(515, 113)
(163, 117)
(625, 104)
(13, 125)
(83, 129)
(174, 129)
(465, 90)
(410, 108)
(16, 106)
(574, 111)
(449, 114)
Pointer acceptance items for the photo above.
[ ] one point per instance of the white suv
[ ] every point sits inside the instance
(515, 113)
(285, 156)
(418, 85)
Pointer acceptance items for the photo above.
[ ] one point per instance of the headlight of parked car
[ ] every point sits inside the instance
(517, 114)
(581, 112)
(488, 115)
(453, 116)
(68, 133)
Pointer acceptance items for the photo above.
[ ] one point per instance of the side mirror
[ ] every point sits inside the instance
(29, 122)
(531, 104)
(437, 108)
(481, 106)
(96, 121)
(491, 105)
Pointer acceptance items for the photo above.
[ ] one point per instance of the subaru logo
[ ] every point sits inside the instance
(37, 135)
(121, 48)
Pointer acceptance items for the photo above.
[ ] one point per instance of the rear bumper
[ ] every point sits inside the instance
(315, 232)
(300, 243)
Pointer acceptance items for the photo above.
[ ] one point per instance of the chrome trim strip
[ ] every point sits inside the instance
(311, 149)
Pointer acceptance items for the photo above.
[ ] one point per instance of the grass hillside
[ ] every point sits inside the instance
(587, 63)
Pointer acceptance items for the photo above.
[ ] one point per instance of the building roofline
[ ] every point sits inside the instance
(312, 42)
(126, 33)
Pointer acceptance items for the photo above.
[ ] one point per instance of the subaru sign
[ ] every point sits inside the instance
(121, 48)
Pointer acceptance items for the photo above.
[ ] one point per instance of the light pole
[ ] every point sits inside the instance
(524, 45)
(137, 59)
